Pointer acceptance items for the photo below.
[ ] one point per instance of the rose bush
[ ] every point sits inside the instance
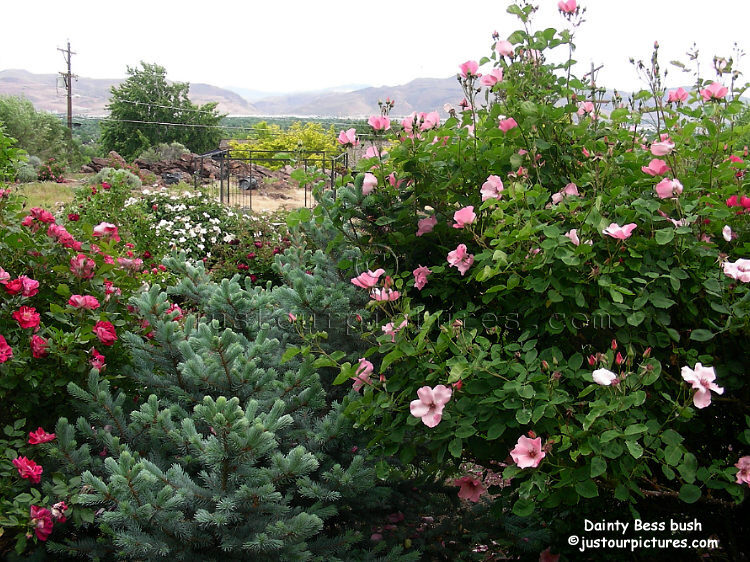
(554, 252)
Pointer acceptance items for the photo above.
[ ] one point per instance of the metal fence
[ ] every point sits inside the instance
(239, 177)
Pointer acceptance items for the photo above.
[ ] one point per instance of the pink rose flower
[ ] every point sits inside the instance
(368, 278)
(573, 236)
(420, 276)
(390, 329)
(714, 91)
(464, 216)
(586, 108)
(379, 122)
(662, 148)
(471, 488)
(620, 232)
(506, 125)
(469, 68)
(106, 230)
(492, 188)
(105, 331)
(667, 188)
(29, 287)
(702, 380)
(348, 137)
(429, 120)
(39, 347)
(460, 259)
(40, 436)
(655, 168)
(504, 48)
(82, 266)
(678, 95)
(570, 189)
(83, 301)
(528, 452)
(429, 406)
(28, 469)
(426, 225)
(384, 294)
(743, 475)
(362, 375)
(726, 233)
(567, 6)
(369, 183)
(739, 270)
(495, 76)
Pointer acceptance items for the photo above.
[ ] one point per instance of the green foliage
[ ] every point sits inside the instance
(10, 156)
(270, 473)
(163, 151)
(38, 133)
(146, 111)
(271, 141)
(520, 333)
(26, 173)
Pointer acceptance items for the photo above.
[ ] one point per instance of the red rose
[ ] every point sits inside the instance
(14, 286)
(27, 317)
(28, 469)
(40, 436)
(41, 519)
(105, 331)
(6, 352)
(39, 347)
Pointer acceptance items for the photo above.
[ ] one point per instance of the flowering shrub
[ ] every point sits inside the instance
(556, 251)
(55, 289)
(51, 171)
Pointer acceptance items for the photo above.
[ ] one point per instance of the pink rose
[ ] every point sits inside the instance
(84, 301)
(570, 189)
(567, 6)
(82, 266)
(573, 236)
(27, 317)
(469, 68)
(620, 232)
(41, 520)
(426, 225)
(504, 48)
(676, 96)
(362, 375)
(420, 276)
(369, 183)
(603, 377)
(667, 188)
(464, 216)
(655, 168)
(495, 76)
(743, 474)
(739, 270)
(384, 294)
(379, 122)
(506, 125)
(348, 137)
(528, 452)
(97, 360)
(429, 406)
(368, 278)
(701, 379)
(662, 148)
(106, 230)
(471, 488)
(460, 259)
(6, 352)
(492, 188)
(714, 91)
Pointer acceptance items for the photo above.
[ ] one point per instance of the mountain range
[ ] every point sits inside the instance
(91, 96)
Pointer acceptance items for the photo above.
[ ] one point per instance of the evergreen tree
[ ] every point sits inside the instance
(232, 455)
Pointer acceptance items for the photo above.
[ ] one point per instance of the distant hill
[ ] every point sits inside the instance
(91, 95)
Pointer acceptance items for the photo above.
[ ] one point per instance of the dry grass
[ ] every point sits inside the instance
(46, 194)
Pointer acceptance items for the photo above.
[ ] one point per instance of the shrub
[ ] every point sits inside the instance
(25, 172)
(163, 152)
(555, 334)
(51, 171)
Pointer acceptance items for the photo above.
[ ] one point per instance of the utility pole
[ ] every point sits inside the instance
(68, 81)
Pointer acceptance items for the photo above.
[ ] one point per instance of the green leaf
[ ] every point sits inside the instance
(635, 429)
(671, 437)
(659, 300)
(690, 493)
(523, 507)
(464, 431)
(454, 447)
(635, 449)
(701, 335)
(608, 435)
(289, 353)
(495, 430)
(664, 236)
(636, 318)
(587, 489)
(523, 416)
(598, 466)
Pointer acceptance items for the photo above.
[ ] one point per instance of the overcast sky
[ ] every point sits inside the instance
(295, 45)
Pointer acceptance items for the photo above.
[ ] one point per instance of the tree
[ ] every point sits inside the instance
(146, 110)
(40, 134)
